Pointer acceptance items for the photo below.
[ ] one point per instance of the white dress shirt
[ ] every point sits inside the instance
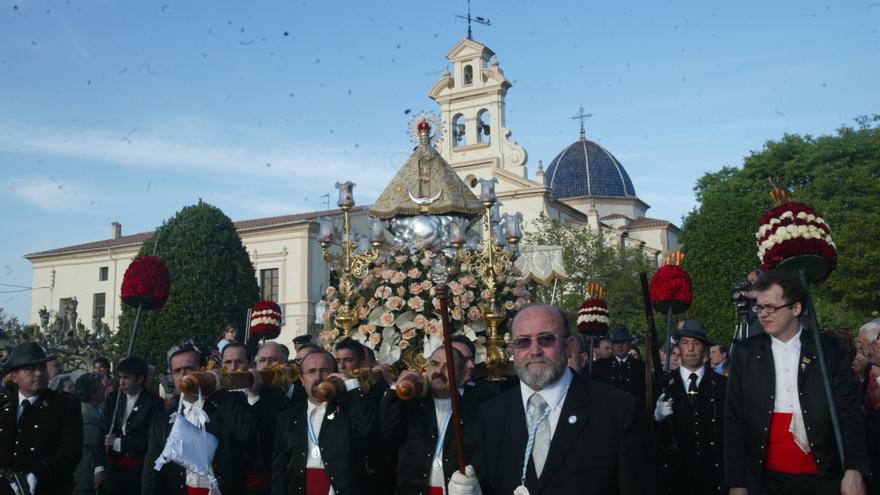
(554, 394)
(315, 414)
(130, 401)
(621, 360)
(686, 376)
(442, 411)
(786, 356)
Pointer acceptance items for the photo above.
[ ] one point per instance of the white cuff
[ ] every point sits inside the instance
(352, 383)
(253, 400)
(117, 445)
(99, 469)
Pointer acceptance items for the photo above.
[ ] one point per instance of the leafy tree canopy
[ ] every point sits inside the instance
(839, 175)
(212, 283)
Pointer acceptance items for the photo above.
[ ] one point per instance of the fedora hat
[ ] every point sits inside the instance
(26, 354)
(693, 329)
(621, 334)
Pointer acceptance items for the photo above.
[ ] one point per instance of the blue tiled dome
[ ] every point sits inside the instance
(587, 169)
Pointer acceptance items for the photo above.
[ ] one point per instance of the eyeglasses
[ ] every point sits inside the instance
(544, 340)
(770, 309)
(315, 371)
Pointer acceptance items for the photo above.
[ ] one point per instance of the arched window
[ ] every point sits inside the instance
(484, 118)
(458, 135)
(468, 75)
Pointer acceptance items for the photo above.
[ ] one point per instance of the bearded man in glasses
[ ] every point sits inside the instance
(778, 436)
(557, 432)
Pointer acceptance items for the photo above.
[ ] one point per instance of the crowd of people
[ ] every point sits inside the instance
(575, 419)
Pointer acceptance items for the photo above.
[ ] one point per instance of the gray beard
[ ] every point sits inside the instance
(540, 378)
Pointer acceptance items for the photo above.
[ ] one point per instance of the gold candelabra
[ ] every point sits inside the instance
(348, 263)
(491, 263)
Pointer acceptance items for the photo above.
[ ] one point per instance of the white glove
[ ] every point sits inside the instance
(663, 409)
(464, 484)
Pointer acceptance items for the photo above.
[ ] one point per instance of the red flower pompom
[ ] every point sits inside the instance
(146, 282)
(791, 230)
(266, 320)
(671, 288)
(593, 317)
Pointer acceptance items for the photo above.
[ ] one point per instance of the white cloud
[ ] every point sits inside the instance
(50, 194)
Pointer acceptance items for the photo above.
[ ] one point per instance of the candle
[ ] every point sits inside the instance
(487, 189)
(346, 196)
(325, 229)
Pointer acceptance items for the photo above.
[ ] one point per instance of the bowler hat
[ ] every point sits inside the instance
(302, 339)
(693, 329)
(26, 354)
(621, 334)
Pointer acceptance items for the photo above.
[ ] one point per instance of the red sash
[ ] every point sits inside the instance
(197, 491)
(435, 490)
(317, 482)
(783, 454)
(124, 461)
(256, 480)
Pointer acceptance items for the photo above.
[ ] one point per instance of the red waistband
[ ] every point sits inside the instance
(197, 491)
(258, 479)
(783, 454)
(124, 461)
(317, 482)
(435, 490)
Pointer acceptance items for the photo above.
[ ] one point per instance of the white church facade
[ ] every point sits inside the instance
(583, 185)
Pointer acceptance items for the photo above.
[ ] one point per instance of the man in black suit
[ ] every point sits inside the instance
(778, 436)
(584, 437)
(127, 441)
(321, 445)
(693, 402)
(422, 432)
(41, 431)
(477, 388)
(621, 370)
(229, 420)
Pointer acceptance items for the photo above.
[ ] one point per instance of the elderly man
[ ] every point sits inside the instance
(556, 433)
(778, 435)
(621, 369)
(41, 431)
(477, 388)
(869, 350)
(321, 445)
(422, 431)
(272, 354)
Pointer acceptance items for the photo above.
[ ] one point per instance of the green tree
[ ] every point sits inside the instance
(592, 258)
(838, 175)
(212, 283)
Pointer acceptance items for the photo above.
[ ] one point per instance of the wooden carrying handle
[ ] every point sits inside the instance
(331, 389)
(411, 387)
(278, 376)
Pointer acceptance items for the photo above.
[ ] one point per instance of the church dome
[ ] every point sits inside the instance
(587, 169)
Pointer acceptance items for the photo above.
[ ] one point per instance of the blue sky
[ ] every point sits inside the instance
(128, 111)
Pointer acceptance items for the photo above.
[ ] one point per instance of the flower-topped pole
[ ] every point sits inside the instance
(794, 236)
(671, 293)
(349, 264)
(593, 317)
(491, 263)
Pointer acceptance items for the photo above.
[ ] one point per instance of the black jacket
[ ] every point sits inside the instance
(410, 427)
(692, 452)
(600, 445)
(629, 376)
(347, 428)
(750, 401)
(234, 425)
(137, 427)
(273, 401)
(48, 440)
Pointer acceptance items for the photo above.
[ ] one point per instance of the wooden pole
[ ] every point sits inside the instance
(131, 341)
(649, 347)
(442, 291)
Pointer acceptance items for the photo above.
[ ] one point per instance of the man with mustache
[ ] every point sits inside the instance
(320, 445)
(422, 431)
(41, 431)
(557, 433)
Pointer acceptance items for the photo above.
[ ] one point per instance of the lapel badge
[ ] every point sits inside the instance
(672, 381)
(804, 362)
(572, 419)
(331, 416)
(135, 408)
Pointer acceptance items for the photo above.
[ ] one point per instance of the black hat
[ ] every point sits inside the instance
(693, 329)
(302, 339)
(26, 354)
(621, 334)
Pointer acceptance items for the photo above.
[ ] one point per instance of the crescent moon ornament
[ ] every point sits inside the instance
(425, 201)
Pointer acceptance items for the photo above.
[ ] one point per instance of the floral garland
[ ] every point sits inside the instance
(671, 286)
(266, 320)
(146, 281)
(396, 306)
(593, 317)
(794, 229)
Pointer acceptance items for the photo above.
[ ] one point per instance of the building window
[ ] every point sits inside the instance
(458, 130)
(103, 273)
(483, 119)
(269, 284)
(99, 306)
(468, 75)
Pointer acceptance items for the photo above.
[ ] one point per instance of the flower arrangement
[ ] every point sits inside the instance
(146, 281)
(266, 320)
(593, 317)
(396, 306)
(671, 286)
(794, 229)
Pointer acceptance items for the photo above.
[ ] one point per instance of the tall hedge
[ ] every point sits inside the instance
(212, 283)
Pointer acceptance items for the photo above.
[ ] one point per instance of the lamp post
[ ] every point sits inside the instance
(348, 263)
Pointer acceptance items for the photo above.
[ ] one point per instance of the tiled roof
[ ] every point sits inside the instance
(613, 216)
(587, 169)
(240, 225)
(643, 223)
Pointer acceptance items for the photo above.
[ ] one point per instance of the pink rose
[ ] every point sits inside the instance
(426, 284)
(401, 291)
(394, 303)
(387, 319)
(414, 273)
(433, 327)
(403, 345)
(469, 281)
(334, 305)
(326, 316)
(508, 305)
(409, 333)
(436, 303)
(474, 313)
(375, 338)
(371, 304)
(426, 262)
(415, 288)
(364, 330)
(456, 288)
(456, 313)
(330, 292)
(416, 304)
(382, 292)
(485, 294)
(469, 296)
(398, 278)
(387, 274)
(363, 312)
(420, 321)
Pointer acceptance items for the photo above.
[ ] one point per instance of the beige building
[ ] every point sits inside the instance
(584, 185)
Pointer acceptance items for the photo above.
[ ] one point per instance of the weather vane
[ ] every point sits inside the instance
(582, 116)
(477, 19)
